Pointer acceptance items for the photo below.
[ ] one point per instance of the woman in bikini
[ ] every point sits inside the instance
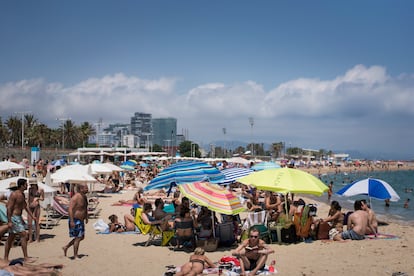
(115, 225)
(35, 196)
(198, 261)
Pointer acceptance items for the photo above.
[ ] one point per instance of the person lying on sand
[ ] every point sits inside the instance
(20, 268)
(195, 266)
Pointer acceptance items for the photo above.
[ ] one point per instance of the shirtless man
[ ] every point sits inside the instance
(253, 253)
(357, 223)
(372, 219)
(15, 206)
(78, 216)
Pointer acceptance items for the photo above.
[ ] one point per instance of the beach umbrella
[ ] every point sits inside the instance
(98, 168)
(185, 173)
(231, 174)
(265, 166)
(113, 167)
(72, 174)
(212, 196)
(10, 166)
(127, 167)
(285, 180)
(371, 187)
(238, 160)
(58, 163)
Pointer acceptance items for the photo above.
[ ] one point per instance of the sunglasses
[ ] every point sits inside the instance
(255, 237)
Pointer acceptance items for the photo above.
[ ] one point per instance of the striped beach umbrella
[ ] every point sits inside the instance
(232, 174)
(212, 196)
(185, 173)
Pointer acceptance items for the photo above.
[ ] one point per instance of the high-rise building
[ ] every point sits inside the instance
(164, 132)
(141, 127)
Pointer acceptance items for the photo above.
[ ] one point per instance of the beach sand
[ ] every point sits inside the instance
(124, 254)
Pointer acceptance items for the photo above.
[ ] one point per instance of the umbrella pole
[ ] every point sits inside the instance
(212, 224)
(286, 206)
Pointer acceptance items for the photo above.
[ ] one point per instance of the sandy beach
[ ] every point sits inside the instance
(124, 254)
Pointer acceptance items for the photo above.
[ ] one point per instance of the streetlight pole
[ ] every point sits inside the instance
(193, 151)
(225, 151)
(23, 113)
(251, 121)
(63, 120)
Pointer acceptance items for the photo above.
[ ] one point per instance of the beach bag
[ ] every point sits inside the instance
(230, 260)
(288, 235)
(323, 231)
(101, 226)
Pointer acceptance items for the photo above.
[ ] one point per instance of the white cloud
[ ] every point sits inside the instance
(304, 110)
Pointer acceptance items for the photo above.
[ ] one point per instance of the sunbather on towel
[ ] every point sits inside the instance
(198, 261)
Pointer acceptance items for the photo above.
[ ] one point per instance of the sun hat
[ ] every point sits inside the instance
(12, 186)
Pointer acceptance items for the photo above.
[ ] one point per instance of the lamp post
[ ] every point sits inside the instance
(251, 122)
(63, 120)
(23, 113)
(193, 150)
(225, 151)
(168, 146)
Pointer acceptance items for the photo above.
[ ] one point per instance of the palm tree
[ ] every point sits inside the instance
(71, 134)
(3, 134)
(86, 130)
(14, 126)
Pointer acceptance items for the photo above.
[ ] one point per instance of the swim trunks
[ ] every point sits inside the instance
(78, 231)
(351, 234)
(18, 224)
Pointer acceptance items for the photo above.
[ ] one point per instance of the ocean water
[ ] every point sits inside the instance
(399, 180)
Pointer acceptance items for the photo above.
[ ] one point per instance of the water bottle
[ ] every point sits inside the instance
(272, 266)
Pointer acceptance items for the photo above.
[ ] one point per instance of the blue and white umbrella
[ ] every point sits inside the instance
(232, 174)
(265, 166)
(371, 187)
(185, 172)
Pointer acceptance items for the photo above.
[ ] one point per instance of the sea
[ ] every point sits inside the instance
(402, 182)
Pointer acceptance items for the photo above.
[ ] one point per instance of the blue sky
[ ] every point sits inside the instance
(314, 74)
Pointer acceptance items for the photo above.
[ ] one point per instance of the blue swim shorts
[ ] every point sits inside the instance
(351, 234)
(18, 224)
(78, 231)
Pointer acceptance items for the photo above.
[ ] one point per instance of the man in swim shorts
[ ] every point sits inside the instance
(15, 206)
(78, 216)
(357, 223)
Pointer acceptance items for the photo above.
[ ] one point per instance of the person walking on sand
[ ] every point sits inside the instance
(35, 196)
(15, 206)
(78, 216)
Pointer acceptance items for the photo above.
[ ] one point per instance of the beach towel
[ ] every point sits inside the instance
(381, 237)
(123, 233)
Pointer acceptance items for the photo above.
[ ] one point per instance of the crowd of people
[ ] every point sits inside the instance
(188, 221)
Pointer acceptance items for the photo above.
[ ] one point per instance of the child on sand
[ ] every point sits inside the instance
(335, 233)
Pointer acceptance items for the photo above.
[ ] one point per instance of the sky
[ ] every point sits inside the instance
(334, 75)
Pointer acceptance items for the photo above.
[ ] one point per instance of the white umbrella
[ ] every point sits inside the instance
(96, 168)
(113, 167)
(8, 166)
(73, 174)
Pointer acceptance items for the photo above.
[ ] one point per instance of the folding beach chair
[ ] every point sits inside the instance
(153, 231)
(258, 220)
(59, 209)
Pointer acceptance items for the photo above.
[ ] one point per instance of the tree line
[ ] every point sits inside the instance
(37, 133)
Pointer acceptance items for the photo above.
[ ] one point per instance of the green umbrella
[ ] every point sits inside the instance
(285, 180)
